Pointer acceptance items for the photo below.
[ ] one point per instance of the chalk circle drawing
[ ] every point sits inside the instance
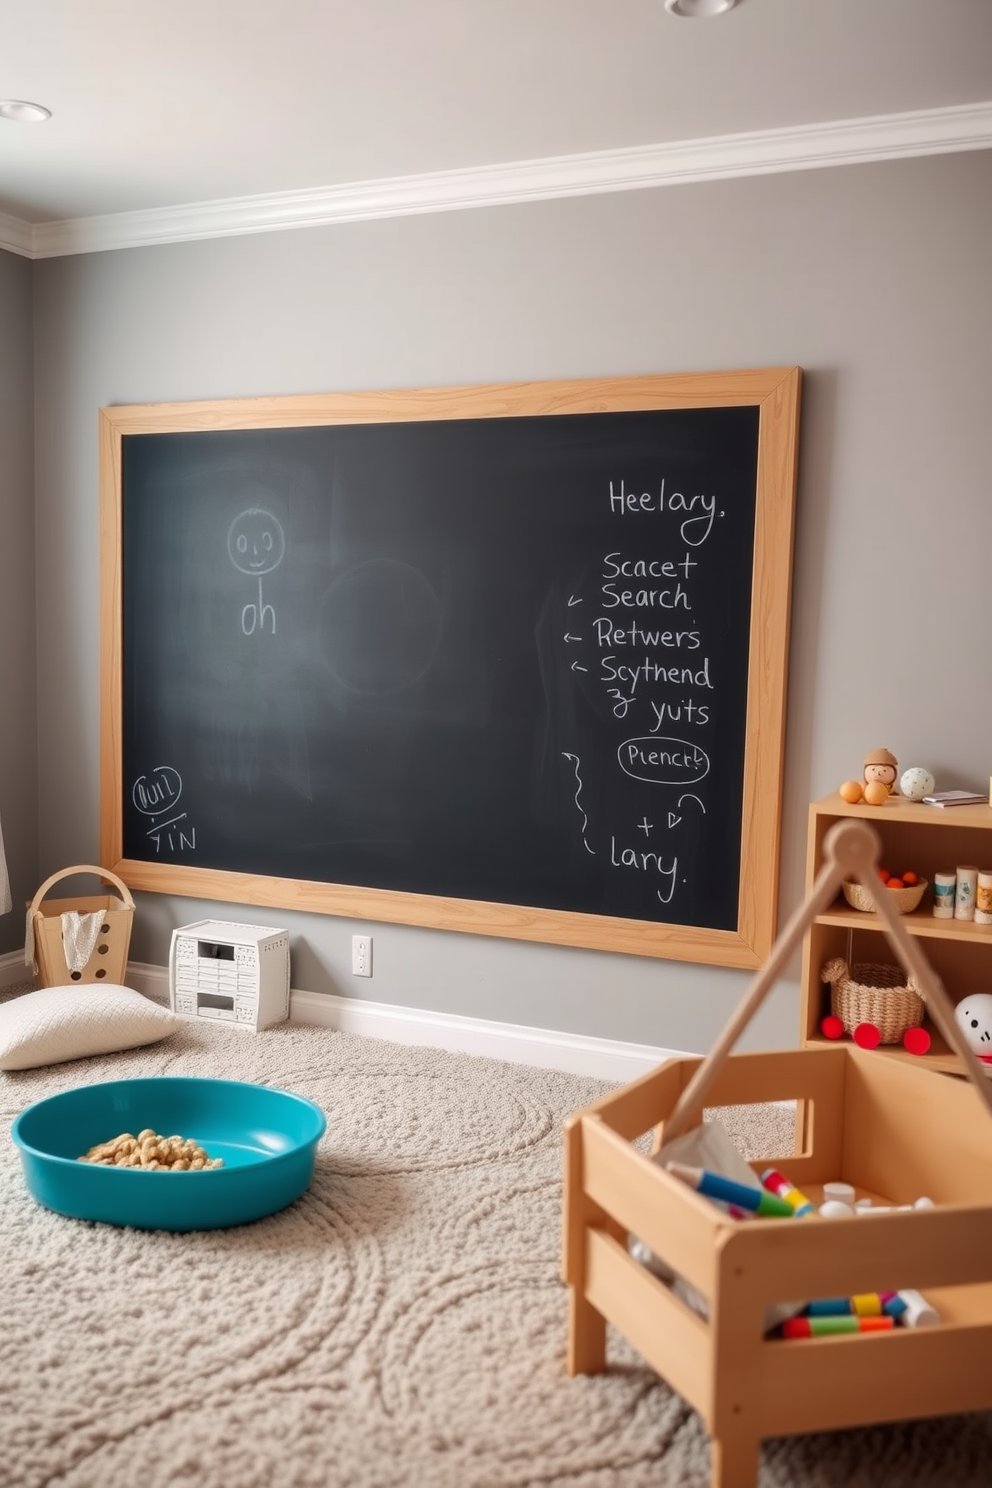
(663, 761)
(156, 795)
(256, 544)
(152, 794)
(578, 791)
(380, 627)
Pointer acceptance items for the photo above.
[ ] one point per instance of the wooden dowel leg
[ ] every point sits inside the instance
(734, 1461)
(586, 1336)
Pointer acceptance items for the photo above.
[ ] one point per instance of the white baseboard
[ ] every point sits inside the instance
(13, 969)
(575, 1054)
(545, 1048)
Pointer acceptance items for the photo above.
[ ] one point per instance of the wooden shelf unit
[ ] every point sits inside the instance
(927, 839)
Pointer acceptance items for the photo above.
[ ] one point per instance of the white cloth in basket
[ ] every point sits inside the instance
(79, 935)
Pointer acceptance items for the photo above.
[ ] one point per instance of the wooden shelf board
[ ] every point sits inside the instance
(920, 922)
(939, 1058)
(897, 808)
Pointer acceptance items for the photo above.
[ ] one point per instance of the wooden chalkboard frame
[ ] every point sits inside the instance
(773, 391)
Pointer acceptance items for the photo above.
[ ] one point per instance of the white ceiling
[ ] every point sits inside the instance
(158, 104)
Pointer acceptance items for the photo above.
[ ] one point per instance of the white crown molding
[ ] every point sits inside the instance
(763, 152)
(16, 236)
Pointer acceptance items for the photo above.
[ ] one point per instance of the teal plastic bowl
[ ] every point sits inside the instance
(267, 1138)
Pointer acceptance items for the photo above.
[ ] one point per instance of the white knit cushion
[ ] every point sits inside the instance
(59, 1023)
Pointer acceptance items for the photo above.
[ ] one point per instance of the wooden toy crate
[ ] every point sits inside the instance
(894, 1130)
(109, 959)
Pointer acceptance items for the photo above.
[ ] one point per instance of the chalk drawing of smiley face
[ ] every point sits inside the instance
(255, 542)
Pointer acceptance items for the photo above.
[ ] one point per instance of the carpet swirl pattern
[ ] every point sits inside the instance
(401, 1324)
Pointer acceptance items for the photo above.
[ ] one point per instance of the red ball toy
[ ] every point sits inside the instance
(916, 1040)
(867, 1036)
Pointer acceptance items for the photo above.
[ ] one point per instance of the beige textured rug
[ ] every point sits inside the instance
(403, 1323)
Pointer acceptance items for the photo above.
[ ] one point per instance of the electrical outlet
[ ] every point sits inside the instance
(361, 955)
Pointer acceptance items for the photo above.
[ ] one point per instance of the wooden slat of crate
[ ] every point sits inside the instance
(670, 1337)
(779, 1259)
(679, 1225)
(636, 1108)
(826, 1383)
(786, 1075)
(908, 1134)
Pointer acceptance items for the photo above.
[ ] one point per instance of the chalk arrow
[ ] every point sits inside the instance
(577, 668)
(571, 638)
(574, 599)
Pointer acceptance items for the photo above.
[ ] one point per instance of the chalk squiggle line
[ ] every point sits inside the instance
(578, 792)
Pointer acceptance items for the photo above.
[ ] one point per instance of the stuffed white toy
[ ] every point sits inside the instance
(974, 1016)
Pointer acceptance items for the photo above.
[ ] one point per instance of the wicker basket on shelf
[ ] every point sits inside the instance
(905, 899)
(869, 992)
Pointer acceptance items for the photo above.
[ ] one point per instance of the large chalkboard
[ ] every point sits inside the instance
(506, 660)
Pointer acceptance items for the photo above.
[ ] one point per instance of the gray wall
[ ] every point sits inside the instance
(18, 668)
(873, 278)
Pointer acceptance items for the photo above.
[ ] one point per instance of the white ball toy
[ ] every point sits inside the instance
(974, 1018)
(916, 783)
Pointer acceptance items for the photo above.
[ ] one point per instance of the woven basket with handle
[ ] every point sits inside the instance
(108, 961)
(869, 992)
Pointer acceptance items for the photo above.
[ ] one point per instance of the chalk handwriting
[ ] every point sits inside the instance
(645, 599)
(684, 711)
(647, 568)
(663, 761)
(608, 634)
(254, 615)
(621, 704)
(256, 544)
(156, 795)
(177, 841)
(152, 794)
(578, 791)
(694, 528)
(646, 862)
(651, 659)
(653, 673)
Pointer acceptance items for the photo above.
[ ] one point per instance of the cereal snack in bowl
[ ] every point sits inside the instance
(261, 1145)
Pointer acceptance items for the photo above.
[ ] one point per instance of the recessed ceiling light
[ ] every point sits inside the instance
(19, 112)
(691, 9)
